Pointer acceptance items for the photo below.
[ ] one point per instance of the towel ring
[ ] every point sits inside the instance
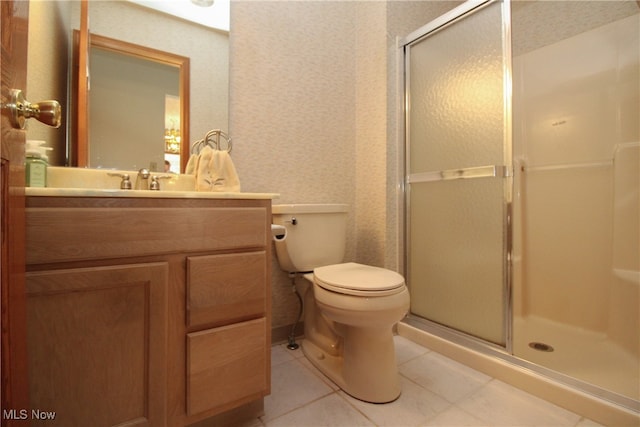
(197, 146)
(213, 139)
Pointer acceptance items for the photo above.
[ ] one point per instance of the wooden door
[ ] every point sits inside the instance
(13, 63)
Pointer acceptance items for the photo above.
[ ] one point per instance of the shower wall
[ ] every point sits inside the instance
(624, 302)
(576, 126)
(576, 104)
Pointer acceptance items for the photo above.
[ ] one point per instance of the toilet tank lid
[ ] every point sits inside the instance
(358, 277)
(309, 208)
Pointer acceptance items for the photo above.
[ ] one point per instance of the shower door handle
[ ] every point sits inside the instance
(497, 171)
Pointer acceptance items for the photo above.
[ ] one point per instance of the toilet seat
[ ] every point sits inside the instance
(359, 280)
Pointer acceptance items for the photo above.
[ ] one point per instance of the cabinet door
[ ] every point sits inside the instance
(97, 344)
(227, 366)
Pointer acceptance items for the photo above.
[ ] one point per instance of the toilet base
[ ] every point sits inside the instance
(370, 374)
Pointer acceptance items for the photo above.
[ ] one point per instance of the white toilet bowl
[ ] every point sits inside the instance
(349, 309)
(363, 324)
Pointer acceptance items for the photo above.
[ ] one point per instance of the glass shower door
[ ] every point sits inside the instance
(459, 170)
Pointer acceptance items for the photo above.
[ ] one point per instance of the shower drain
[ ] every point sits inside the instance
(540, 346)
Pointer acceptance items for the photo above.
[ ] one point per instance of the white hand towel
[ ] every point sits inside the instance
(191, 165)
(215, 172)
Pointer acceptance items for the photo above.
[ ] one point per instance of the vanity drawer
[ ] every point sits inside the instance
(57, 234)
(226, 288)
(227, 366)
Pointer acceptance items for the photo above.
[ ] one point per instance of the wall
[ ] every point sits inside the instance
(292, 117)
(314, 115)
(371, 211)
(47, 76)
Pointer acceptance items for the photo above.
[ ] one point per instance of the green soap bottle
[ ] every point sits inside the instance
(36, 164)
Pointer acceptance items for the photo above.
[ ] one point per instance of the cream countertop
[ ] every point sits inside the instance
(92, 192)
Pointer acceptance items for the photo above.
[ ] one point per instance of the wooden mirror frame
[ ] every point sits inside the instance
(80, 142)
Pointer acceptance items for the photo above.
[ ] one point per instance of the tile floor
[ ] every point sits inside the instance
(436, 391)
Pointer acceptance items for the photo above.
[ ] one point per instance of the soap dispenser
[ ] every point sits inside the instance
(36, 163)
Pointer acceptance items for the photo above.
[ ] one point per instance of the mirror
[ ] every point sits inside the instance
(154, 87)
(49, 74)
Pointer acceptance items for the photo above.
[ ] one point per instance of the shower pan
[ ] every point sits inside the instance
(522, 199)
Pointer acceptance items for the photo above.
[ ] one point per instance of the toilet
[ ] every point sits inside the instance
(349, 308)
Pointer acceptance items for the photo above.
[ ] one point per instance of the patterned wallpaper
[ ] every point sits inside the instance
(292, 117)
(48, 69)
(314, 93)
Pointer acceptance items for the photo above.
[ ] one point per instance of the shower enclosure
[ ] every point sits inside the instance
(522, 166)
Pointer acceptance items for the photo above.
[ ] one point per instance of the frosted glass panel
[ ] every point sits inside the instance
(456, 264)
(457, 254)
(457, 95)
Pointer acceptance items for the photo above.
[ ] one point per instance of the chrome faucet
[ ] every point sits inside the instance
(142, 181)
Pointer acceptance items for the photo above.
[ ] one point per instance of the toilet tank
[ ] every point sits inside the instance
(316, 235)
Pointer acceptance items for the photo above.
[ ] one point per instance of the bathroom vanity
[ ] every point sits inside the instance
(148, 310)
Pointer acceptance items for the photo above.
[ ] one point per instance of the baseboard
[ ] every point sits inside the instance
(240, 416)
(281, 334)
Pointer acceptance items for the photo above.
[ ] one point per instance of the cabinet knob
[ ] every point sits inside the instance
(19, 110)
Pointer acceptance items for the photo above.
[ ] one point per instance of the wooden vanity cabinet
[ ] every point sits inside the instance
(151, 312)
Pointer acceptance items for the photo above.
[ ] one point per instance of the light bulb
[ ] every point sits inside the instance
(203, 3)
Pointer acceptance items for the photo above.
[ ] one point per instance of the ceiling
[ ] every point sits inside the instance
(215, 16)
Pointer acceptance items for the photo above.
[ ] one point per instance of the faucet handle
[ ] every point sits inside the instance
(125, 184)
(155, 183)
